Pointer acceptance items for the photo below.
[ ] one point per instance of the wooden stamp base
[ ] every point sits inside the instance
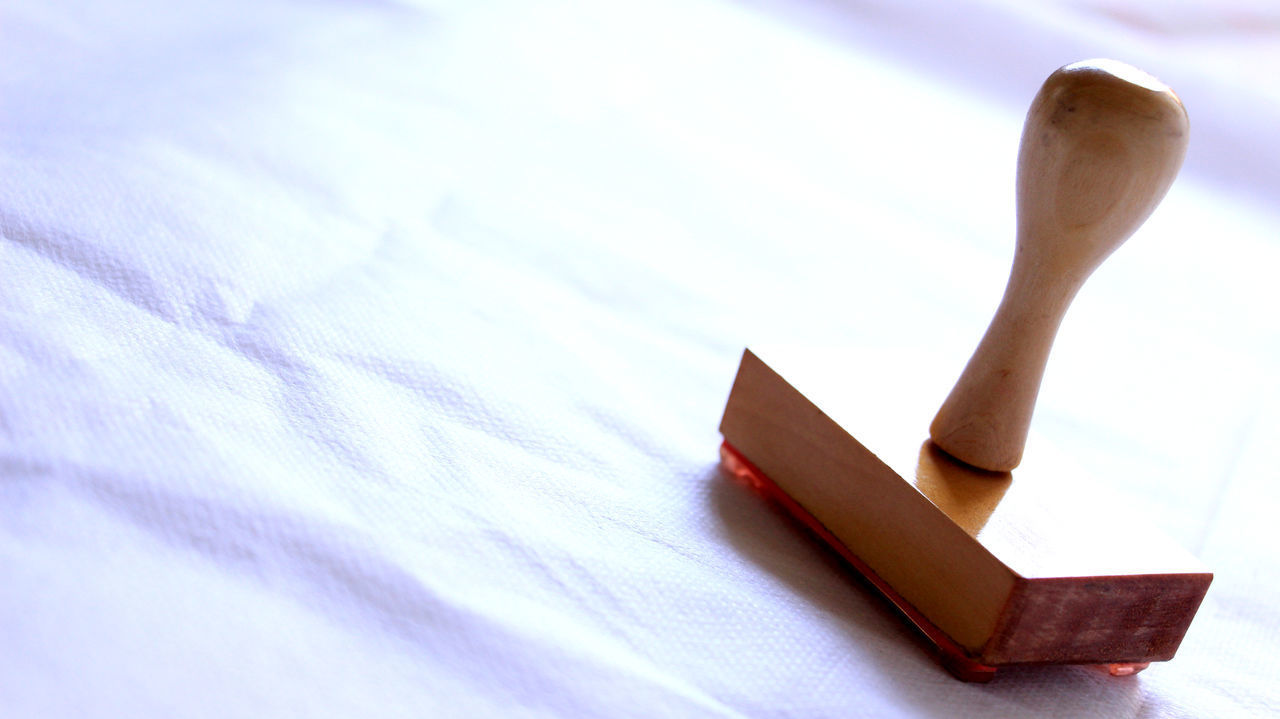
(952, 655)
(996, 570)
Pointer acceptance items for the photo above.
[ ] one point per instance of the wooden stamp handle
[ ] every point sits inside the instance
(1101, 145)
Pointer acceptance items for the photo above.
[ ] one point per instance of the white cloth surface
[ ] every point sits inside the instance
(365, 359)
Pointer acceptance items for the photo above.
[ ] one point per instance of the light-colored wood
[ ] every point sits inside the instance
(1035, 566)
(1038, 567)
(1101, 145)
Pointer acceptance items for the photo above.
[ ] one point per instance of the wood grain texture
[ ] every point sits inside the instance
(1037, 566)
(1101, 145)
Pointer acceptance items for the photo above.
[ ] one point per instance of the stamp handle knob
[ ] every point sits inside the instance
(1101, 145)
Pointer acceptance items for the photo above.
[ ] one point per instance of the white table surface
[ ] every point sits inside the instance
(365, 359)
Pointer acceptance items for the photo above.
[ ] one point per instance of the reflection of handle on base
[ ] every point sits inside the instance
(1101, 145)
